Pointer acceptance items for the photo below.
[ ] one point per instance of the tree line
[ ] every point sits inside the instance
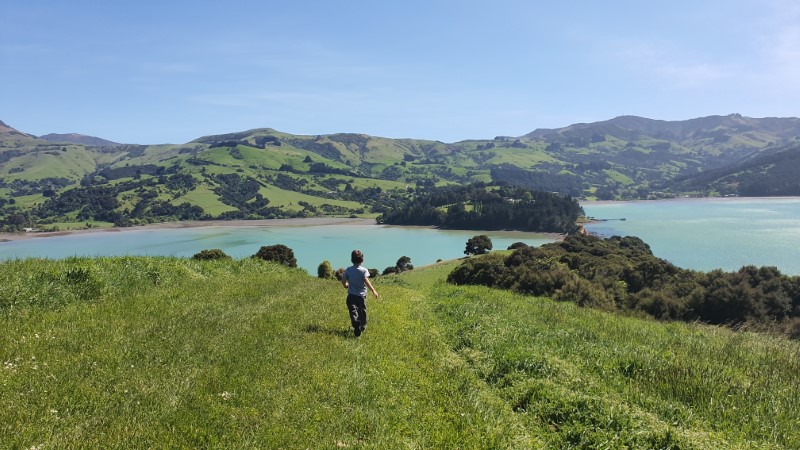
(481, 207)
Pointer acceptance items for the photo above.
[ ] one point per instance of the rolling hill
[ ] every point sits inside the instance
(138, 352)
(264, 173)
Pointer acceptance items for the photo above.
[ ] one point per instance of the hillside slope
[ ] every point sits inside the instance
(138, 352)
(265, 173)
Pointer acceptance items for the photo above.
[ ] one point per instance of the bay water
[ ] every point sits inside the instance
(382, 245)
(710, 233)
(700, 234)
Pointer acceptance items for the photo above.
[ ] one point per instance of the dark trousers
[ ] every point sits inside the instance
(357, 308)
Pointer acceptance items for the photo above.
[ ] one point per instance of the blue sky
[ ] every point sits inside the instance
(171, 71)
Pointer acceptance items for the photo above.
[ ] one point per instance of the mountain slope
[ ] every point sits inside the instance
(76, 138)
(265, 173)
(771, 174)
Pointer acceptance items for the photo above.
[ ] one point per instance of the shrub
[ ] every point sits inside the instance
(214, 253)
(373, 273)
(517, 245)
(485, 271)
(325, 270)
(278, 253)
(792, 328)
(585, 293)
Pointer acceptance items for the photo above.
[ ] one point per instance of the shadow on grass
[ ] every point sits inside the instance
(344, 334)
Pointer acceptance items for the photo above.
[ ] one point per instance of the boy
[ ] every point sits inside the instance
(356, 280)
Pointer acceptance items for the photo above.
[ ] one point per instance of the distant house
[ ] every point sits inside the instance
(28, 230)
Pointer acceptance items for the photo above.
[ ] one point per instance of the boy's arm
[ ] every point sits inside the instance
(374, 292)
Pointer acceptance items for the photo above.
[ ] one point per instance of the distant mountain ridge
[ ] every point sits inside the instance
(684, 129)
(76, 138)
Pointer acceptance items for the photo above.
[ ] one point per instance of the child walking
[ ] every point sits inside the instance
(356, 280)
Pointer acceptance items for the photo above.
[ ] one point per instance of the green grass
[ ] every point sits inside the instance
(525, 158)
(72, 164)
(29, 201)
(290, 199)
(142, 352)
(205, 198)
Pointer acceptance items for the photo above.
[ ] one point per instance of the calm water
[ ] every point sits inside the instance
(382, 245)
(705, 234)
(700, 234)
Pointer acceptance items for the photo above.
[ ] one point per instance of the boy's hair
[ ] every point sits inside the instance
(357, 257)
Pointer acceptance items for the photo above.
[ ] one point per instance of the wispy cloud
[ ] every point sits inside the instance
(667, 64)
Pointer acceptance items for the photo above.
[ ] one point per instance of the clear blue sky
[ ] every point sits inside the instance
(170, 71)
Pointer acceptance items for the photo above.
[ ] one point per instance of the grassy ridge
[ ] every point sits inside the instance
(165, 352)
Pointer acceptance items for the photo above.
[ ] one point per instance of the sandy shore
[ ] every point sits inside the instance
(301, 222)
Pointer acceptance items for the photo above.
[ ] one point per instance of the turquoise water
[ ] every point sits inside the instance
(701, 234)
(382, 245)
(706, 234)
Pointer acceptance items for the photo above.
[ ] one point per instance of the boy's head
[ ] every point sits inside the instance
(357, 257)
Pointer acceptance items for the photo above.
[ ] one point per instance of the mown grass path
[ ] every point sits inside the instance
(173, 353)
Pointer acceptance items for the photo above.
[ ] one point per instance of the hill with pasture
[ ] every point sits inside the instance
(265, 173)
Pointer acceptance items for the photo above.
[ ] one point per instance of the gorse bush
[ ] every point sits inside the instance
(622, 273)
(278, 253)
(214, 253)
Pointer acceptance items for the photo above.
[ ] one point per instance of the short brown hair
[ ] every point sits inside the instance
(356, 257)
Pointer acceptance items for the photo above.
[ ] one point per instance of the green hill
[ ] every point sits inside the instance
(265, 173)
(164, 352)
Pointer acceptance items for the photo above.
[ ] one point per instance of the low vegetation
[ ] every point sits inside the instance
(166, 352)
(623, 274)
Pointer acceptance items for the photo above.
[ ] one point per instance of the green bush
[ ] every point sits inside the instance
(517, 245)
(278, 253)
(214, 253)
(325, 270)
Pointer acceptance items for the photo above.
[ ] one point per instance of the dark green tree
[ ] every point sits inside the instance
(403, 264)
(478, 245)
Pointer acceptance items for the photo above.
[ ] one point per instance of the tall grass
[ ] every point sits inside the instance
(595, 380)
(143, 352)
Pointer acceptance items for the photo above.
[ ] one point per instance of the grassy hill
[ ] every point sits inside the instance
(164, 352)
(356, 174)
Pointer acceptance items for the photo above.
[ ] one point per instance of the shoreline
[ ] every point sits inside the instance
(295, 222)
